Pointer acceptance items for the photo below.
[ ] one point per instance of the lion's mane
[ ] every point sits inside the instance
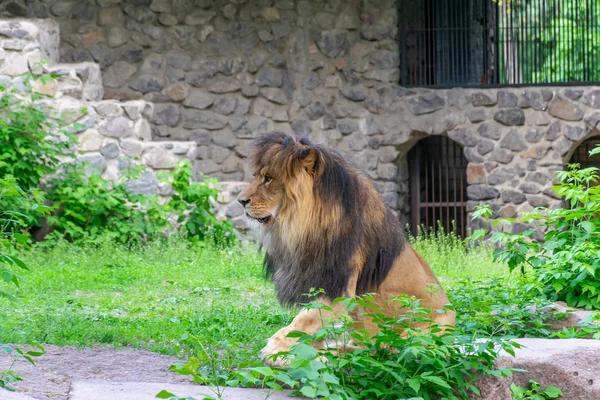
(324, 221)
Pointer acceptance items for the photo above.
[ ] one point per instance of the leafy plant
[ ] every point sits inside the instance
(31, 141)
(191, 202)
(426, 364)
(566, 262)
(88, 206)
(535, 392)
(504, 306)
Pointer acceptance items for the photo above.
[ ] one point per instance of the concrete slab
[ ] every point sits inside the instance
(106, 390)
(6, 395)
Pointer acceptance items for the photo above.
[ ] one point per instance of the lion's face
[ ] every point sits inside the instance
(284, 169)
(262, 198)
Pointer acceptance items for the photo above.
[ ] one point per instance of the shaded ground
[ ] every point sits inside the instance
(54, 372)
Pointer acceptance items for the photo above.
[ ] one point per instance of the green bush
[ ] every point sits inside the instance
(566, 262)
(191, 203)
(31, 143)
(439, 363)
(88, 206)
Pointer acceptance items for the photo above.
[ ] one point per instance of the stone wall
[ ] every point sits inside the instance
(220, 72)
(112, 135)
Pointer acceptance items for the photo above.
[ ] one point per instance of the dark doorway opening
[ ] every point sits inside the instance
(582, 153)
(438, 185)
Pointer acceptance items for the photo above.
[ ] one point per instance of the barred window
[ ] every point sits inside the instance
(446, 43)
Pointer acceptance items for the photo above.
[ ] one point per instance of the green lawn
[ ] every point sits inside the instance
(148, 298)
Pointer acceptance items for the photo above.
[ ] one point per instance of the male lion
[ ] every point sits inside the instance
(324, 225)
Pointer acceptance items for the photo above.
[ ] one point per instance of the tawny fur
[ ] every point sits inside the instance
(323, 224)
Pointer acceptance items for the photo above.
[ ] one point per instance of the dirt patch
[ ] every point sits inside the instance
(51, 377)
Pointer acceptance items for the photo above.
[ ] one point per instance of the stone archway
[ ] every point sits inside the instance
(580, 154)
(438, 185)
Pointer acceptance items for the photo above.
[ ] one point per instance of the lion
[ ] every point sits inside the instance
(324, 225)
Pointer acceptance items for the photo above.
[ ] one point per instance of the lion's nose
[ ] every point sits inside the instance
(243, 201)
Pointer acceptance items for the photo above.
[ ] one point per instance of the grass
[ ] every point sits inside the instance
(149, 297)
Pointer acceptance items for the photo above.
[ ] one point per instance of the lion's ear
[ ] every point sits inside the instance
(308, 160)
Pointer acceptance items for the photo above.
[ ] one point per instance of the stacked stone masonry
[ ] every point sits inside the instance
(221, 72)
(112, 135)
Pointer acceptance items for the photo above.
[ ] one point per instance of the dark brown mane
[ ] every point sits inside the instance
(348, 218)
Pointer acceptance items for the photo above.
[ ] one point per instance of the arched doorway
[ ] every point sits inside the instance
(581, 155)
(438, 185)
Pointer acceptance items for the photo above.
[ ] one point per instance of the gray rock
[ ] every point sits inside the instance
(315, 110)
(146, 184)
(538, 200)
(507, 99)
(357, 141)
(179, 60)
(369, 126)
(110, 150)
(592, 98)
(328, 122)
(562, 146)
(534, 135)
(95, 164)
(480, 99)
(141, 14)
(311, 81)
(275, 95)
(346, 127)
(510, 117)
(513, 141)
(199, 17)
(167, 114)
(193, 119)
(485, 146)
(199, 98)
(426, 103)
(482, 192)
(116, 127)
(301, 127)
(503, 156)
(464, 136)
(224, 86)
(355, 94)
(573, 94)
(553, 131)
(477, 115)
(593, 120)
(537, 177)
(512, 196)
(575, 133)
(501, 175)
(118, 74)
(131, 54)
(224, 138)
(530, 188)
(348, 18)
(488, 131)
(225, 105)
(146, 83)
(201, 137)
(333, 43)
(565, 109)
(269, 77)
(116, 36)
(386, 59)
(533, 99)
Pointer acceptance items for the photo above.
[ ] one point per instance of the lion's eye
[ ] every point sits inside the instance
(267, 179)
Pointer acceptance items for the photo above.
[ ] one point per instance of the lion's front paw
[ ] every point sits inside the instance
(277, 344)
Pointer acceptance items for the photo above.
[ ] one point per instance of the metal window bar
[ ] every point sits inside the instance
(581, 155)
(438, 171)
(487, 43)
